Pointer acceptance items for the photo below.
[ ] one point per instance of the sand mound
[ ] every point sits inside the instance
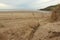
(50, 31)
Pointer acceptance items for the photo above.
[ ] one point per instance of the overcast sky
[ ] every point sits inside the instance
(26, 4)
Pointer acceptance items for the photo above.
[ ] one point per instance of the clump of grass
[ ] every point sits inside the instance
(55, 14)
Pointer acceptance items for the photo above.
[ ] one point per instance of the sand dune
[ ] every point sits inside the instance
(28, 26)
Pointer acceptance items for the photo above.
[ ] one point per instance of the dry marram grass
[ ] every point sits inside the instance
(28, 26)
